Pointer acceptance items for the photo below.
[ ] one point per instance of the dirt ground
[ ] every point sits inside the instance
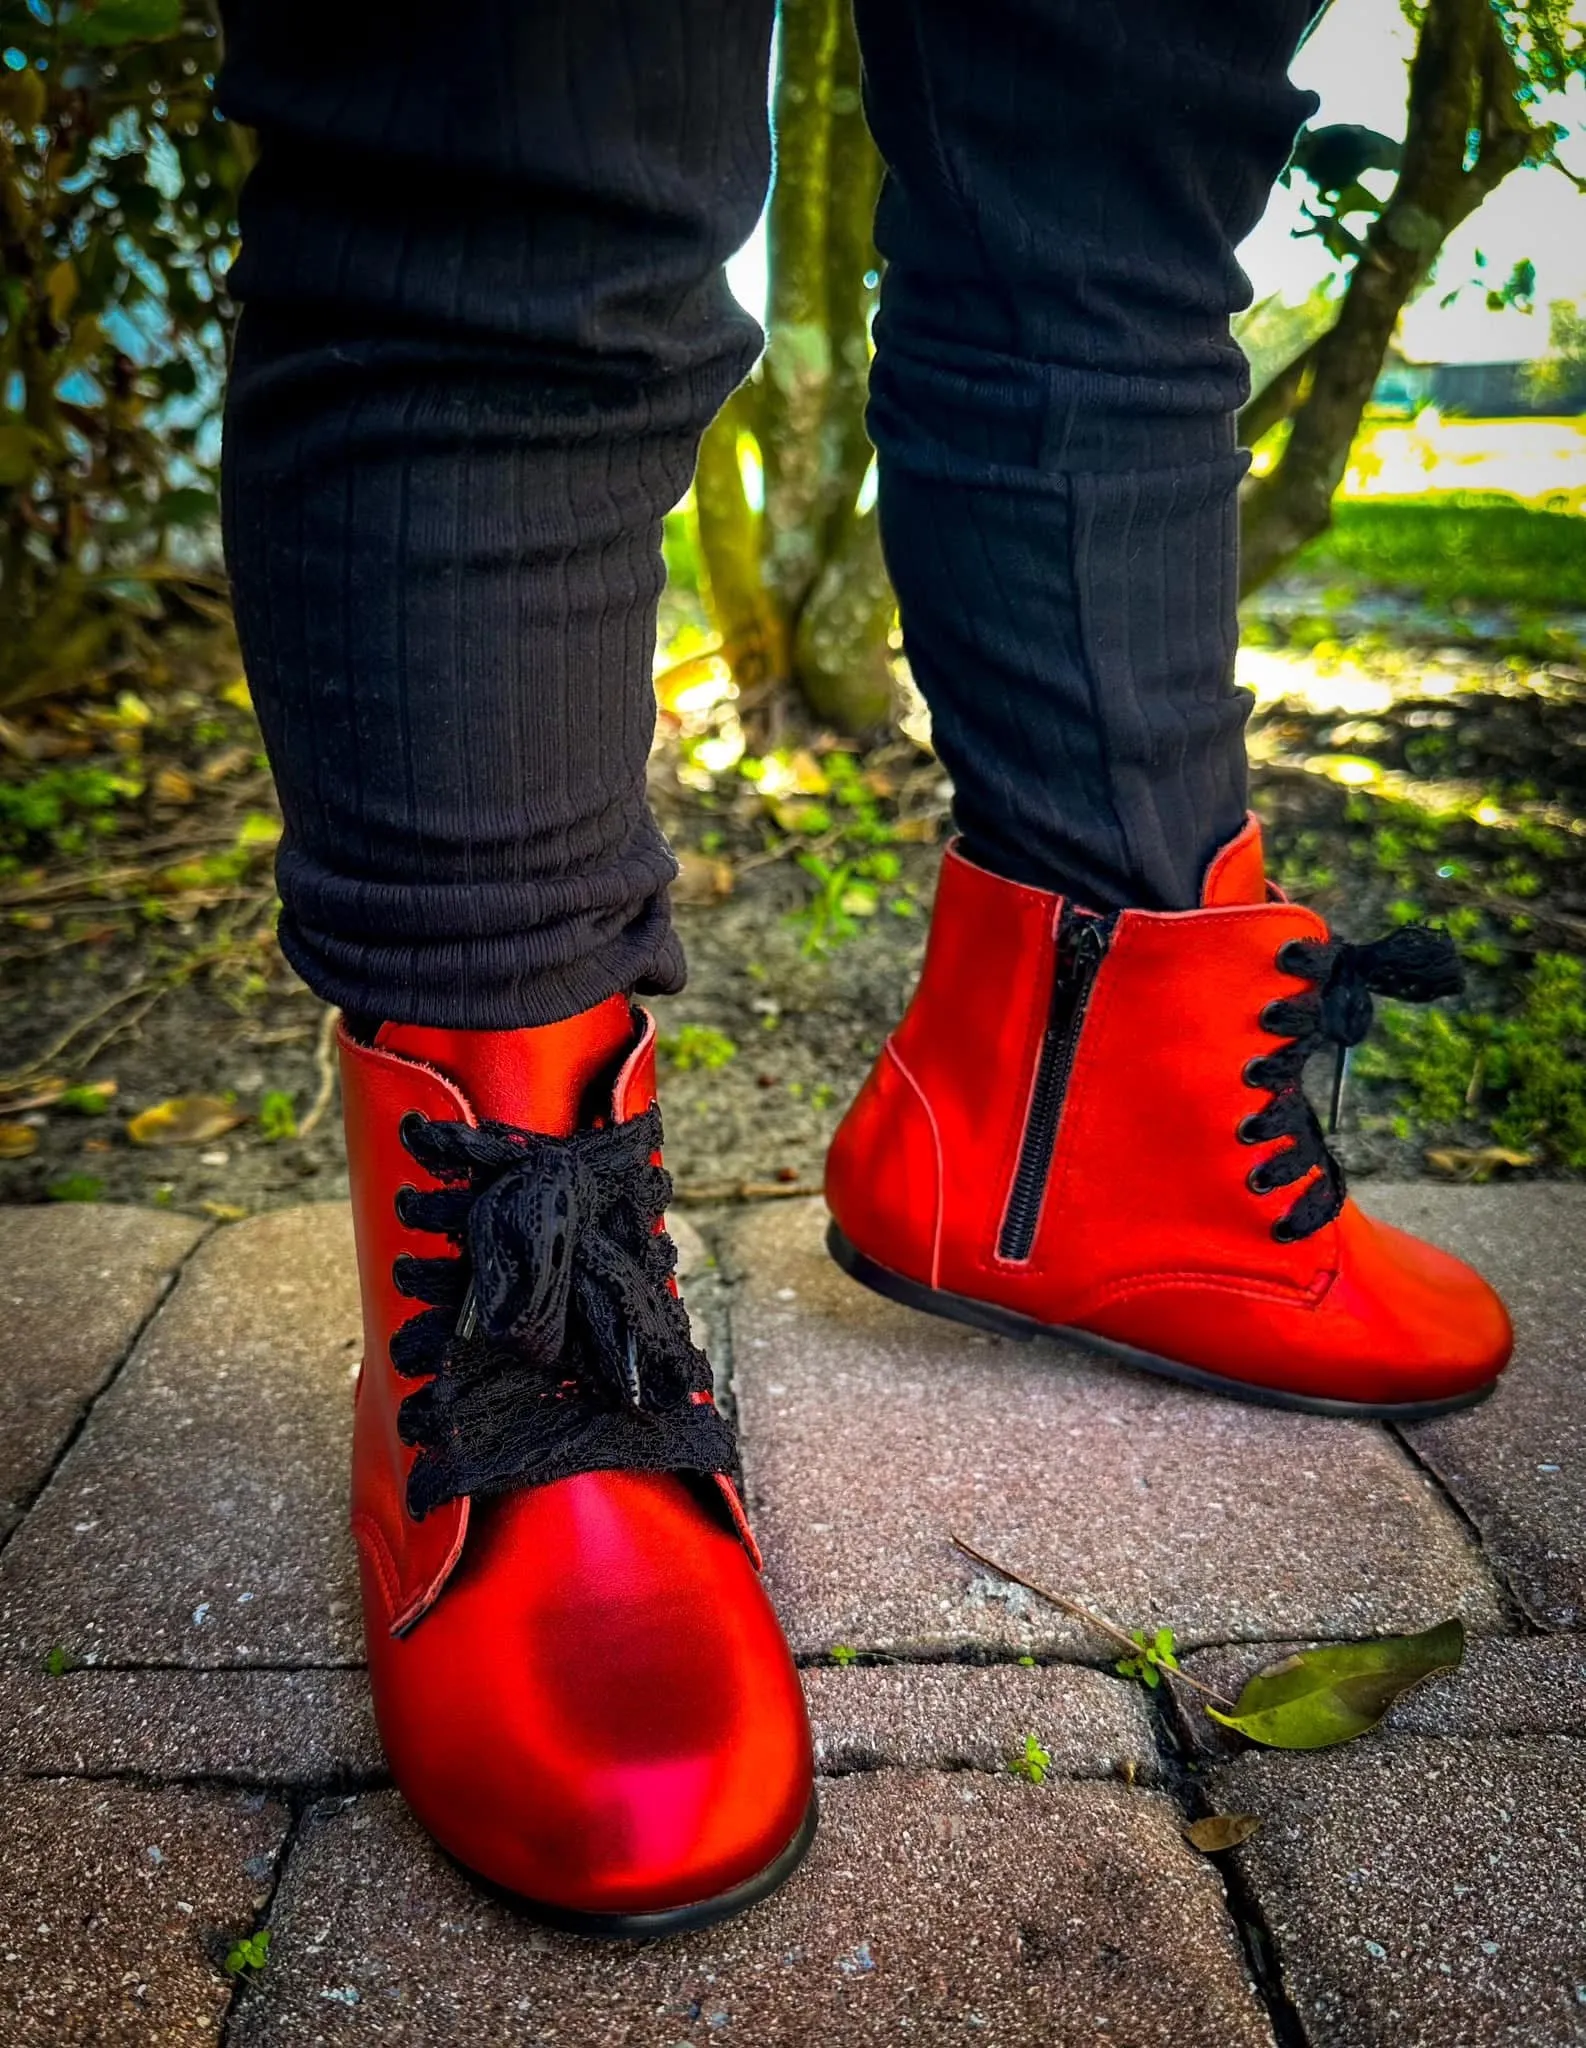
(1406, 764)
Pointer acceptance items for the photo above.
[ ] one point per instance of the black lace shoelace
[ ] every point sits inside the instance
(1416, 965)
(552, 1343)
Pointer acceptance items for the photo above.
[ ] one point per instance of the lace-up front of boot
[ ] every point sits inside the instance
(554, 1341)
(1414, 964)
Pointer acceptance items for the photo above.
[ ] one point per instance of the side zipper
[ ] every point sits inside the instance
(1082, 942)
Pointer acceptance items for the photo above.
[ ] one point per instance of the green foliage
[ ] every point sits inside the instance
(248, 1956)
(58, 1661)
(1158, 1653)
(59, 810)
(87, 1099)
(696, 1045)
(1522, 1074)
(118, 186)
(1033, 1763)
(277, 1116)
(844, 1654)
(1458, 545)
(1321, 1697)
(76, 1187)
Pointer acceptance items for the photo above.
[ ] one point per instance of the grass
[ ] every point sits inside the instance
(1479, 547)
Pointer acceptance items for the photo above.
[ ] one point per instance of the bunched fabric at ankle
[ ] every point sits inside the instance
(553, 1343)
(1415, 964)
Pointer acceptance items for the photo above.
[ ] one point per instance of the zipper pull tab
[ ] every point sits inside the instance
(467, 1316)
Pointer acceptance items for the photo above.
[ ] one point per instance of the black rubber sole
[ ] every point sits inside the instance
(669, 1919)
(1004, 1322)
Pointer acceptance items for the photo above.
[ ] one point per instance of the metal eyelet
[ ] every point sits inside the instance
(400, 1205)
(1250, 1077)
(412, 1121)
(1283, 1231)
(1256, 1180)
(1245, 1134)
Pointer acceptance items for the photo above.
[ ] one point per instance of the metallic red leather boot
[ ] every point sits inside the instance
(581, 1686)
(1093, 1127)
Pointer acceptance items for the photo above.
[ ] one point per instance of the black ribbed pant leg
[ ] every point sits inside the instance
(1053, 400)
(484, 326)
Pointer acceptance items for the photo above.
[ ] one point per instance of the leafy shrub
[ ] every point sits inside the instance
(118, 184)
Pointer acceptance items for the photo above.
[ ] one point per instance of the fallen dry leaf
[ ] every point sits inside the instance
(226, 762)
(701, 879)
(35, 1095)
(172, 786)
(17, 1141)
(184, 1120)
(1477, 1163)
(1221, 1831)
(224, 1212)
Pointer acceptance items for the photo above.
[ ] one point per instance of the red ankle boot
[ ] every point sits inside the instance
(581, 1686)
(1093, 1128)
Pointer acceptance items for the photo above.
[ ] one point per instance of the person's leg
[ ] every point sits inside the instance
(484, 325)
(1053, 406)
(1092, 1118)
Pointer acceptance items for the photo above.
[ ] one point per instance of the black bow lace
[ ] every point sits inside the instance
(553, 1344)
(1415, 964)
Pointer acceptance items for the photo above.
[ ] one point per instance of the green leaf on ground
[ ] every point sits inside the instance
(843, 1653)
(57, 1662)
(76, 1187)
(1320, 1697)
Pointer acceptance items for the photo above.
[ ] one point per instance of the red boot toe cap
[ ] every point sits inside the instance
(600, 1715)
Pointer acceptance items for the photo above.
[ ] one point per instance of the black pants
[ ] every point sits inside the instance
(485, 325)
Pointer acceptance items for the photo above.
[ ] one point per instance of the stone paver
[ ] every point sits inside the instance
(1506, 1686)
(117, 1906)
(259, 1727)
(936, 1909)
(200, 1518)
(1423, 1894)
(872, 1433)
(78, 1281)
(1517, 1465)
(946, 1716)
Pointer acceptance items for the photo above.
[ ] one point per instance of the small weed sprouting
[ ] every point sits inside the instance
(76, 1187)
(246, 1958)
(277, 1116)
(57, 1661)
(1033, 1763)
(1158, 1653)
(844, 1654)
(696, 1045)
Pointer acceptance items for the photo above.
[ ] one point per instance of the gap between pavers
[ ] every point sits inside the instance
(200, 1517)
(933, 1908)
(1421, 1893)
(871, 1434)
(80, 1279)
(118, 1904)
(1517, 1464)
(294, 1729)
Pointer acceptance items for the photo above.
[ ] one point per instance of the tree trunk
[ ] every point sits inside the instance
(799, 592)
(1461, 93)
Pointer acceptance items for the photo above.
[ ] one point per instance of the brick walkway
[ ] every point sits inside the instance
(173, 1424)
